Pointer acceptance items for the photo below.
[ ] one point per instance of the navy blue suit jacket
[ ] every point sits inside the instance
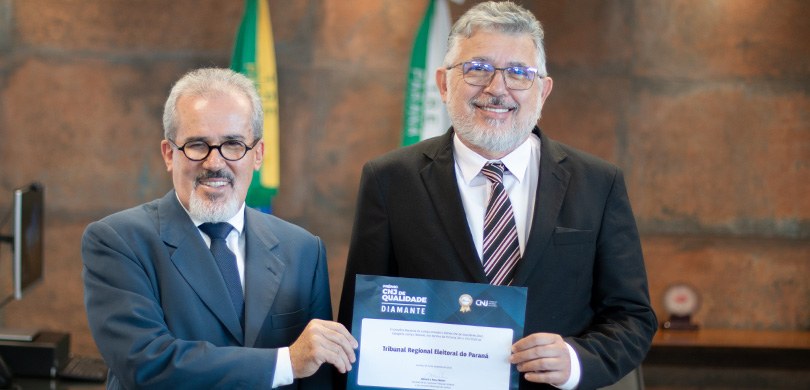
(159, 310)
(582, 264)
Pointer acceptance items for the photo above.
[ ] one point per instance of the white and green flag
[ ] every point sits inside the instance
(425, 115)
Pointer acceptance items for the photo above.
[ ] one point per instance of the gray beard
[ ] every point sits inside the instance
(209, 210)
(493, 137)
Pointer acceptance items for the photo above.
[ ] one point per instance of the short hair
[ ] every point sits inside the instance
(207, 82)
(506, 17)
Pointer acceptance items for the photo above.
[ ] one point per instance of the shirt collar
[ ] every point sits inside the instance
(471, 163)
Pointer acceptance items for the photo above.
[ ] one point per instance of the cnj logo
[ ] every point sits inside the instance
(485, 303)
(466, 301)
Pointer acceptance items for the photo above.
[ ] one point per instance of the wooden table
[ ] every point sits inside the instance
(731, 348)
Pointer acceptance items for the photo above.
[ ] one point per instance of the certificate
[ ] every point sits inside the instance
(429, 334)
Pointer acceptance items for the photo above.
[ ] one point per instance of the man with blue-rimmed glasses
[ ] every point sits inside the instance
(494, 200)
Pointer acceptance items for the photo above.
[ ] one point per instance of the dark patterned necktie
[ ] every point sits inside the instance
(501, 248)
(226, 261)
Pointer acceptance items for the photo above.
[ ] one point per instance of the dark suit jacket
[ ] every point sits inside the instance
(159, 310)
(582, 263)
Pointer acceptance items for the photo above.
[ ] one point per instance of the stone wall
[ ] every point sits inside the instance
(703, 104)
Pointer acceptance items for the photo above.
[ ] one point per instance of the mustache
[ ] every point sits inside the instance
(220, 174)
(499, 101)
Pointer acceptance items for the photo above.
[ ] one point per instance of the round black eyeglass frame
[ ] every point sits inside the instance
(217, 147)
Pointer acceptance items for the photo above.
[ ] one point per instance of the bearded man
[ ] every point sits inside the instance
(197, 291)
(495, 200)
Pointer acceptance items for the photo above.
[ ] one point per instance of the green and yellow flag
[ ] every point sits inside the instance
(254, 56)
(425, 115)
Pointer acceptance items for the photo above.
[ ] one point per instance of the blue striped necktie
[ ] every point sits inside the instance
(501, 248)
(226, 261)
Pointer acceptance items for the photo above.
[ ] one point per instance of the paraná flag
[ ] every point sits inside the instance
(425, 115)
(254, 56)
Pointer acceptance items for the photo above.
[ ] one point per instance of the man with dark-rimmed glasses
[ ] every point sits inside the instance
(494, 200)
(195, 290)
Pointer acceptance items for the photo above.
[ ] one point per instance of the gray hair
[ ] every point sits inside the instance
(207, 82)
(506, 17)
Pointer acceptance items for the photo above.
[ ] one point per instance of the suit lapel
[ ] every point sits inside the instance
(551, 188)
(195, 263)
(263, 272)
(439, 178)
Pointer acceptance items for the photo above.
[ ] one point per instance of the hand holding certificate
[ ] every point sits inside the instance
(322, 342)
(427, 334)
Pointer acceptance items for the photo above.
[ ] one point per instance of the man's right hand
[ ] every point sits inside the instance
(322, 342)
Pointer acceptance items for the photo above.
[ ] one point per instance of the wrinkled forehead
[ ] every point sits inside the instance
(217, 116)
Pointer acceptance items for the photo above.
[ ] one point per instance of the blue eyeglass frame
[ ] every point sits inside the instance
(532, 72)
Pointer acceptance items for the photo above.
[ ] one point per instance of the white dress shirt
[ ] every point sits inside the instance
(520, 181)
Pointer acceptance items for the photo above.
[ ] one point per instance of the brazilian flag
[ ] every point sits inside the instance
(254, 56)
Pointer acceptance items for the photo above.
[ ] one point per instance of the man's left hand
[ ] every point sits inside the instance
(543, 357)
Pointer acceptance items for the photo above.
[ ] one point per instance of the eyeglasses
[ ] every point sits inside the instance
(480, 74)
(231, 150)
